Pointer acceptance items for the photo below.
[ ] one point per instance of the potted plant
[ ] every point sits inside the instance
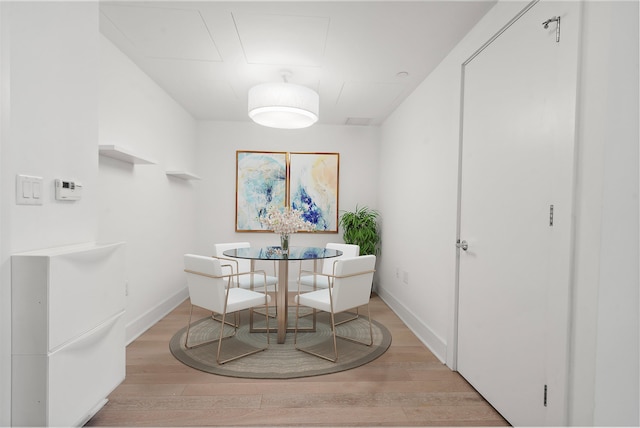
(361, 227)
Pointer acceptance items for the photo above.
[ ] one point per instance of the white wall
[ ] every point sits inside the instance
(139, 204)
(605, 358)
(217, 145)
(604, 362)
(5, 291)
(49, 129)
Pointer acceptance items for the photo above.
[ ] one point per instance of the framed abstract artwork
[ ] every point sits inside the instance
(313, 188)
(261, 181)
(308, 182)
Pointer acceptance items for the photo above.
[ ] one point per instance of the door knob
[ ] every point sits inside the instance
(464, 245)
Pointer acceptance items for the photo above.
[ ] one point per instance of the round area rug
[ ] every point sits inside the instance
(280, 361)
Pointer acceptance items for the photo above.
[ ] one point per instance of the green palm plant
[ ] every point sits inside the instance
(361, 227)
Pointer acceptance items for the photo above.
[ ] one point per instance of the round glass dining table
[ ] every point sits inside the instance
(275, 253)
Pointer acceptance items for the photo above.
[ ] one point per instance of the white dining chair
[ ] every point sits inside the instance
(243, 266)
(319, 279)
(349, 288)
(315, 280)
(251, 282)
(214, 291)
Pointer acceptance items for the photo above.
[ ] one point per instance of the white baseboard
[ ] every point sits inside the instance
(435, 344)
(145, 321)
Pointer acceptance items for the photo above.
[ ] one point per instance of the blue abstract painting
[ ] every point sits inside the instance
(261, 181)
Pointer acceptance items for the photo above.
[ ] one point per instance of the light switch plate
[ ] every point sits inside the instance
(28, 190)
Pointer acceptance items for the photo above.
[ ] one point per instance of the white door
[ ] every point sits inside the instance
(515, 215)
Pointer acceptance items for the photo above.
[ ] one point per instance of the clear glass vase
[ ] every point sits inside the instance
(284, 243)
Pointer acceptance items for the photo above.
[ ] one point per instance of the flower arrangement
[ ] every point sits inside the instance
(285, 222)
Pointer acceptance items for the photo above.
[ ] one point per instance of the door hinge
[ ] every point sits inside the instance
(545, 396)
(550, 215)
(555, 19)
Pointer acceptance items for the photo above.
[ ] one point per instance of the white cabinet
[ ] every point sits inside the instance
(68, 336)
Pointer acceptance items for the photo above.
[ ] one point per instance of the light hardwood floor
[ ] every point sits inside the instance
(407, 386)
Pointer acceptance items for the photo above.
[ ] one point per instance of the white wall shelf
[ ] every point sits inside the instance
(183, 175)
(122, 154)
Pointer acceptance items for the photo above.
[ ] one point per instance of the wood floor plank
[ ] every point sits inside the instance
(474, 415)
(406, 386)
(372, 399)
(150, 389)
(259, 417)
(297, 387)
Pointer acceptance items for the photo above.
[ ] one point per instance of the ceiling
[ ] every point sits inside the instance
(363, 57)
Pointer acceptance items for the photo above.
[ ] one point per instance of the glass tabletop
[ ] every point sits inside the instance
(275, 253)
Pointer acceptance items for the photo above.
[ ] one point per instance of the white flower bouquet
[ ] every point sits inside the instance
(287, 221)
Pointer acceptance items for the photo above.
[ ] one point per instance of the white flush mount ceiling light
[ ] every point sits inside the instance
(283, 105)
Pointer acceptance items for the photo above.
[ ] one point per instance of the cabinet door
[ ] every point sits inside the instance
(85, 289)
(97, 362)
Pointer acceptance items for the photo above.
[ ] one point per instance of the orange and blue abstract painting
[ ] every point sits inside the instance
(313, 188)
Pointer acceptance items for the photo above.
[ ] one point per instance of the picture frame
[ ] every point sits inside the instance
(313, 188)
(261, 180)
(307, 181)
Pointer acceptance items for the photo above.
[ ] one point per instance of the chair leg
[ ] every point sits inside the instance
(370, 331)
(335, 342)
(186, 339)
(266, 312)
(255, 351)
(316, 354)
(355, 317)
(295, 327)
(313, 312)
(335, 336)
(298, 316)
(213, 316)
